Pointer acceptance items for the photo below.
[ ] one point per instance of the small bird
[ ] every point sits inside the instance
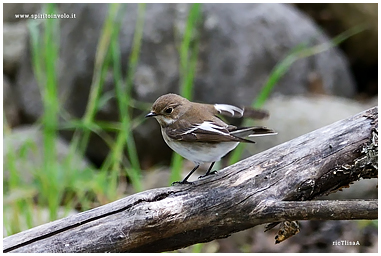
(194, 131)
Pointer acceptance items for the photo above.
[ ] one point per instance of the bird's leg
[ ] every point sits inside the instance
(187, 177)
(209, 171)
(210, 168)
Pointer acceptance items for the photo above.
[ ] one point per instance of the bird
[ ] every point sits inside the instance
(195, 131)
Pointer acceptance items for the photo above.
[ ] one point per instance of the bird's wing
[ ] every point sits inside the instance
(207, 131)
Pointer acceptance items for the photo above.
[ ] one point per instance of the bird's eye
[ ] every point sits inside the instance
(169, 110)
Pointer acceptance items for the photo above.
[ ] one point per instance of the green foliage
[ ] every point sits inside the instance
(45, 69)
(123, 93)
(188, 53)
(58, 185)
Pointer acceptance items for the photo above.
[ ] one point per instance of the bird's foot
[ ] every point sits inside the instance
(181, 183)
(203, 176)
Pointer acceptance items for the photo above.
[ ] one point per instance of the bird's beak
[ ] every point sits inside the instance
(150, 114)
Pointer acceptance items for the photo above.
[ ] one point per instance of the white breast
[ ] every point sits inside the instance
(200, 152)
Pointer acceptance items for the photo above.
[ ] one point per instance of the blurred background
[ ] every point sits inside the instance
(76, 90)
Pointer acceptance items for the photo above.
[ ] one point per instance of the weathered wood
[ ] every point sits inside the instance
(320, 210)
(238, 197)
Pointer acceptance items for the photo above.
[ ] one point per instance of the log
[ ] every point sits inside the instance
(268, 187)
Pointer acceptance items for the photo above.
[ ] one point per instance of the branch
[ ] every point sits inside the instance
(241, 196)
(320, 210)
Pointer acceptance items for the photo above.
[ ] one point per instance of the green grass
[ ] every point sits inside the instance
(61, 185)
(49, 183)
(123, 93)
(188, 53)
(19, 196)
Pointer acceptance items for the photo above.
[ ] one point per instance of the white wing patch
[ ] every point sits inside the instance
(230, 109)
(207, 126)
(258, 135)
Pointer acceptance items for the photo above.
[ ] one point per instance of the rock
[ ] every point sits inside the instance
(353, 14)
(12, 9)
(14, 35)
(339, 17)
(240, 45)
(293, 116)
(253, 42)
(11, 110)
(361, 49)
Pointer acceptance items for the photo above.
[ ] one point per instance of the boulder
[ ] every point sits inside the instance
(15, 35)
(240, 44)
(11, 110)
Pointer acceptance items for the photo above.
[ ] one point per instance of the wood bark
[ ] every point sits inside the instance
(264, 188)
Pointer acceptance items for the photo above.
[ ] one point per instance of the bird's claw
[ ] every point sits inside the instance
(203, 176)
(181, 183)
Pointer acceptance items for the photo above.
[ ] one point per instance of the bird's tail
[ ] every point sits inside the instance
(252, 132)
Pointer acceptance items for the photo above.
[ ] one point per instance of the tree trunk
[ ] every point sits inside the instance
(241, 196)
